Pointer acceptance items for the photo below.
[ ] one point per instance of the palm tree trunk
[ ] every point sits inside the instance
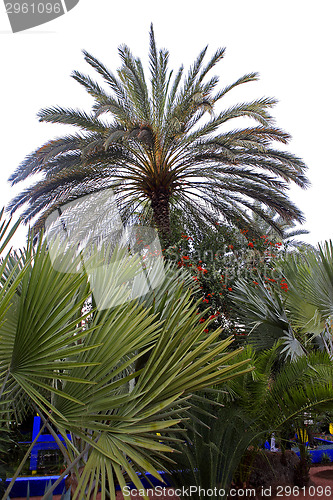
(160, 202)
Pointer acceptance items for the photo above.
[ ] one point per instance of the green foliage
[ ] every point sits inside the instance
(269, 398)
(276, 229)
(325, 459)
(217, 439)
(11, 274)
(217, 261)
(163, 147)
(276, 393)
(75, 370)
(296, 309)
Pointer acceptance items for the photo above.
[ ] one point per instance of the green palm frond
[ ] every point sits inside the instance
(311, 295)
(12, 271)
(255, 404)
(215, 445)
(181, 361)
(296, 315)
(301, 386)
(275, 393)
(265, 315)
(280, 230)
(79, 370)
(40, 326)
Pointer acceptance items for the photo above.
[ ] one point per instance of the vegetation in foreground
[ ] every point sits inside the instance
(133, 383)
(76, 370)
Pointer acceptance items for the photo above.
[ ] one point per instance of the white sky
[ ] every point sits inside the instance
(288, 42)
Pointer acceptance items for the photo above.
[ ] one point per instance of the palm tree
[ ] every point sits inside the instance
(267, 399)
(75, 369)
(163, 146)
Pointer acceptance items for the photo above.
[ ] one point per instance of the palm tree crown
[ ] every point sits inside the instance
(162, 148)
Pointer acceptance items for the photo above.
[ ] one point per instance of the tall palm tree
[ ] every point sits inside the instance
(162, 146)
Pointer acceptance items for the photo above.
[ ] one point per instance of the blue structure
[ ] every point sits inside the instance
(323, 441)
(44, 442)
(37, 485)
(324, 446)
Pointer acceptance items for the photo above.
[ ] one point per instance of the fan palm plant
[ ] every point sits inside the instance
(255, 404)
(11, 274)
(277, 396)
(262, 309)
(298, 310)
(164, 147)
(75, 370)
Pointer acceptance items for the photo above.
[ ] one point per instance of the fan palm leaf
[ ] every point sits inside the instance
(298, 314)
(255, 404)
(113, 422)
(77, 370)
(264, 312)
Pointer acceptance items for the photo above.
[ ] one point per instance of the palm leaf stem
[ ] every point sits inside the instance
(67, 471)
(4, 383)
(55, 436)
(18, 470)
